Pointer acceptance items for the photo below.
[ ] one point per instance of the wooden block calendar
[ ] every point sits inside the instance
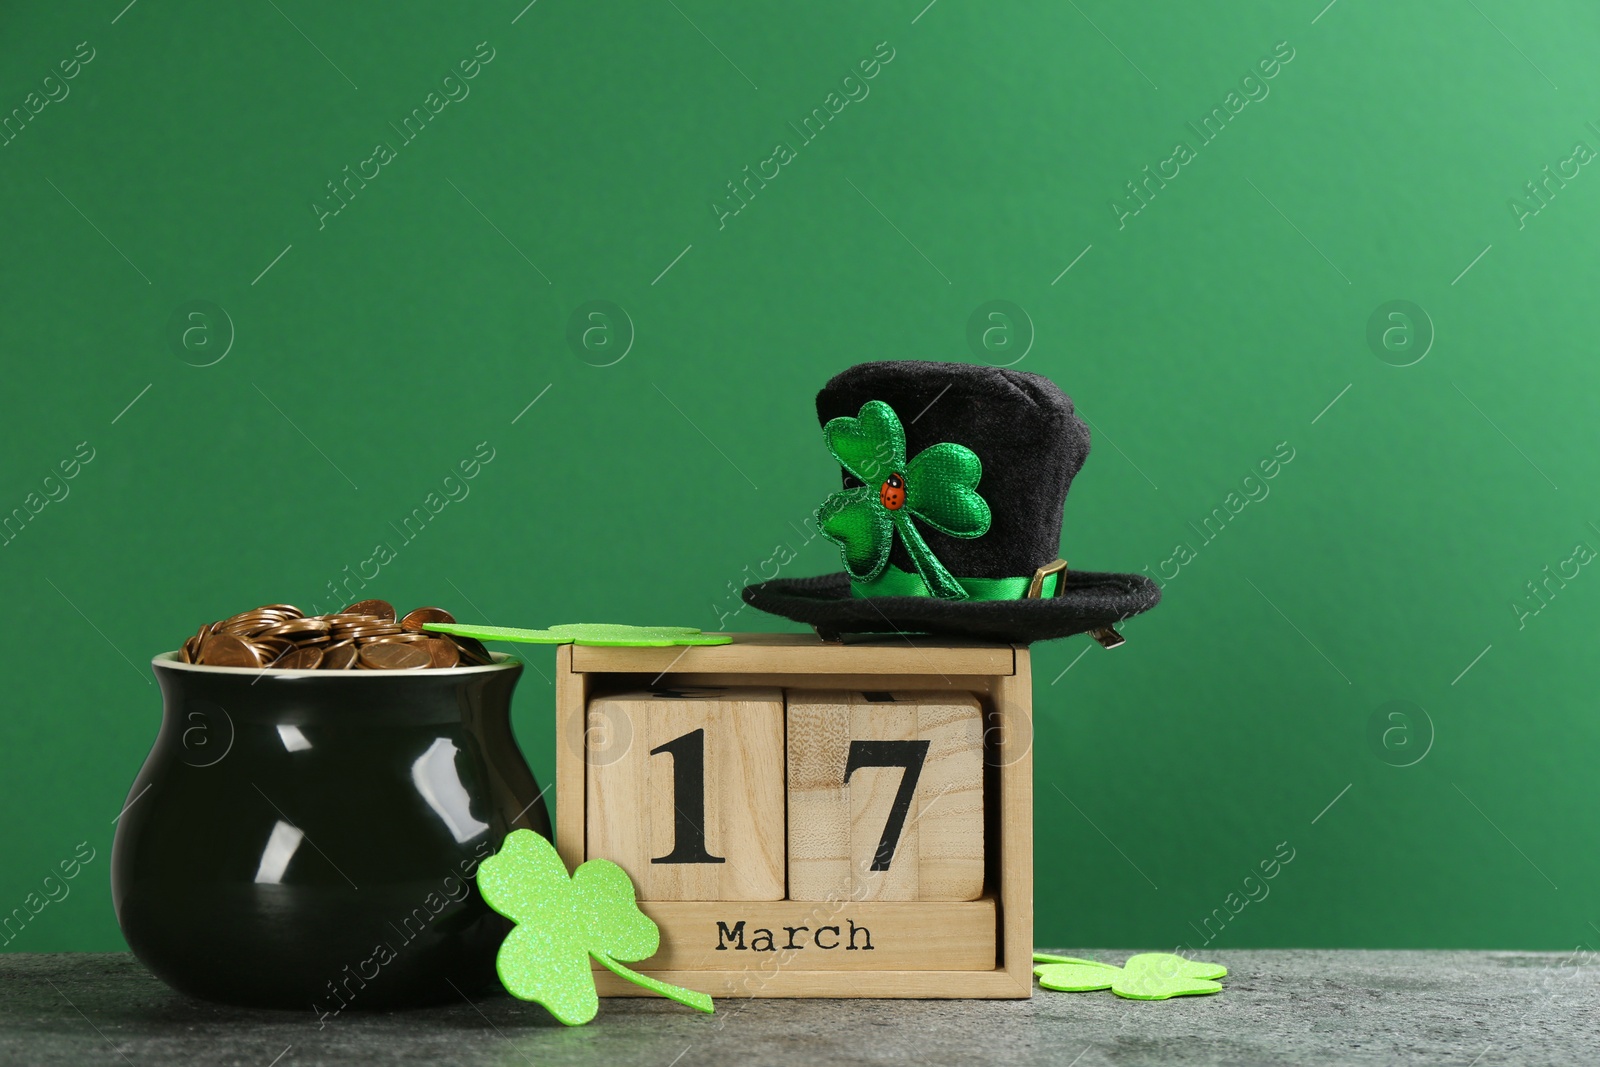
(809, 819)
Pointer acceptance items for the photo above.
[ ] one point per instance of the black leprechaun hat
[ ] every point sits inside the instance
(949, 521)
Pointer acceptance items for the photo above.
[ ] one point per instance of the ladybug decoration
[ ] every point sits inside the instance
(893, 492)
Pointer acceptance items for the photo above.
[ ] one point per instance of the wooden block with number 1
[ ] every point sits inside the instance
(688, 795)
(885, 796)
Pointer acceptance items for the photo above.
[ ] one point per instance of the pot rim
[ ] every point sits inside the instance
(501, 662)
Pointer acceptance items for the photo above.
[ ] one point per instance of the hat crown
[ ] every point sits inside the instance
(1022, 428)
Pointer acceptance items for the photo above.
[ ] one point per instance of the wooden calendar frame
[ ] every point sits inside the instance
(1001, 677)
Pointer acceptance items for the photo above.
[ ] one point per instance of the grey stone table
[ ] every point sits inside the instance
(1278, 1007)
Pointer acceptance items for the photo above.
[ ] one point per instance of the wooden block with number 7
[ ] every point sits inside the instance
(885, 796)
(688, 795)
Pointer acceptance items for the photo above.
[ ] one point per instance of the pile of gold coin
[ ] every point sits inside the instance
(366, 635)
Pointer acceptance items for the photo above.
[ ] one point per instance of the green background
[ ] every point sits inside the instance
(1220, 321)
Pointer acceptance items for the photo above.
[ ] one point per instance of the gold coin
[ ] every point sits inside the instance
(296, 628)
(444, 653)
(381, 608)
(393, 656)
(299, 659)
(269, 648)
(351, 618)
(339, 656)
(367, 633)
(226, 650)
(415, 619)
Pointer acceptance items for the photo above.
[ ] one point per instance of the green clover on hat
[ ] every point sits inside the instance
(938, 487)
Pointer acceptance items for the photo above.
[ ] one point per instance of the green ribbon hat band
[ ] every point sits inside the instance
(896, 582)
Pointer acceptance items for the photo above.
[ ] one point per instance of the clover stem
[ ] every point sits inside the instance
(939, 581)
(687, 997)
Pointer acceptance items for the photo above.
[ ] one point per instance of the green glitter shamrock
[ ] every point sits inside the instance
(1147, 976)
(563, 921)
(585, 633)
(937, 486)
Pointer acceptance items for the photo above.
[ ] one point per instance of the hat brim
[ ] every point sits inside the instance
(1092, 599)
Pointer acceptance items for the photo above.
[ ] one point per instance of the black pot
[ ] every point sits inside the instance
(308, 839)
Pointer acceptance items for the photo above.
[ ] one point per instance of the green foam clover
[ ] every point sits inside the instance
(1159, 975)
(561, 922)
(938, 486)
(1069, 974)
(585, 633)
(1147, 976)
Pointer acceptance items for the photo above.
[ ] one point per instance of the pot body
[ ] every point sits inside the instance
(308, 839)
